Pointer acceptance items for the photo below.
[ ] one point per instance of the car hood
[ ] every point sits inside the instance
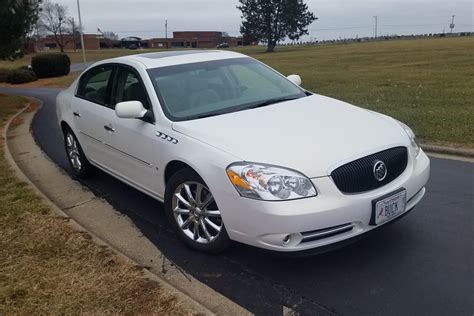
(313, 135)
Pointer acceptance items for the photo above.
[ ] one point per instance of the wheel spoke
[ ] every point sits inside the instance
(183, 200)
(213, 213)
(189, 194)
(198, 194)
(78, 162)
(204, 229)
(69, 140)
(213, 225)
(207, 202)
(186, 223)
(181, 211)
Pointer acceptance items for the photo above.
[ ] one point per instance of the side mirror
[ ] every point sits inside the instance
(130, 110)
(296, 79)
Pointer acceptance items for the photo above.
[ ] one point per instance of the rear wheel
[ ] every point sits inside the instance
(77, 160)
(194, 214)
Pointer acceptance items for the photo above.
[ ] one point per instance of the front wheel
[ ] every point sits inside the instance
(194, 214)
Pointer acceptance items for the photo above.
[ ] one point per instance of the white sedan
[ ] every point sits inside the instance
(236, 151)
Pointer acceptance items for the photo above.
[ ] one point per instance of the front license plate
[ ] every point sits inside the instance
(388, 207)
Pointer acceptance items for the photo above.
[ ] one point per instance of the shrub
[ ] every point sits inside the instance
(51, 65)
(3, 74)
(21, 76)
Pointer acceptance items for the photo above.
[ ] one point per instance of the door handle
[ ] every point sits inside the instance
(76, 114)
(109, 128)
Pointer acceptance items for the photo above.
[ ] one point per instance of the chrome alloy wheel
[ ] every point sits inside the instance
(196, 212)
(73, 152)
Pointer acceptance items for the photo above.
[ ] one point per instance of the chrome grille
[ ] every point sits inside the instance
(358, 176)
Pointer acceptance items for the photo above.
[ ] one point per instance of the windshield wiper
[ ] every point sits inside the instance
(272, 101)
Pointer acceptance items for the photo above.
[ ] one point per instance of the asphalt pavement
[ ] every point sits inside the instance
(422, 264)
(81, 66)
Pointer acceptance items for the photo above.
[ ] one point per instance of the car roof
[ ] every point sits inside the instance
(177, 57)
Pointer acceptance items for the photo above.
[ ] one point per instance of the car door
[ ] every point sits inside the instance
(132, 141)
(93, 113)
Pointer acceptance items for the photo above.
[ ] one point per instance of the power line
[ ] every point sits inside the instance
(342, 28)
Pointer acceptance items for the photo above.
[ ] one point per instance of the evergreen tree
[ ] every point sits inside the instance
(270, 21)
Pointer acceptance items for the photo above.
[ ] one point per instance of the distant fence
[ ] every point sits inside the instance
(380, 38)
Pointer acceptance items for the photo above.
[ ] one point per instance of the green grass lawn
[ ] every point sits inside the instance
(426, 83)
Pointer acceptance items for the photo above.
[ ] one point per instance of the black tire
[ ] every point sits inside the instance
(84, 169)
(219, 242)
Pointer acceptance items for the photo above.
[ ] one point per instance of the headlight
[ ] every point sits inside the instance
(412, 138)
(269, 183)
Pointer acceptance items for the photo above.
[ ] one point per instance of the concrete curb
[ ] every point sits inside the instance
(452, 151)
(197, 297)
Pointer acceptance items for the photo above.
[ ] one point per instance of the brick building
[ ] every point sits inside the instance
(195, 39)
(184, 39)
(91, 42)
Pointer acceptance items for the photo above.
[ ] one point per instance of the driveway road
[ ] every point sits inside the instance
(423, 264)
(80, 66)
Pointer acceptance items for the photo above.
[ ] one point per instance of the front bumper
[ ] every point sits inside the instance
(331, 217)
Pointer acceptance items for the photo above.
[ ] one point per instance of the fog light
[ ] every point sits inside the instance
(286, 240)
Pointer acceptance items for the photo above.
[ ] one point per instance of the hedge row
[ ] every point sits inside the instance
(19, 76)
(42, 66)
(51, 65)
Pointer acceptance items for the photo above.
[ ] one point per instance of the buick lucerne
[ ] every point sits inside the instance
(236, 151)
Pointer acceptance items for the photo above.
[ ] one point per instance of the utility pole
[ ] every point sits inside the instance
(82, 35)
(451, 26)
(166, 33)
(375, 17)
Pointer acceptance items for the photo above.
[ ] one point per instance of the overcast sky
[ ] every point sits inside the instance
(337, 18)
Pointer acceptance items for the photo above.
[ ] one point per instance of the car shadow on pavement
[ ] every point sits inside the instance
(265, 282)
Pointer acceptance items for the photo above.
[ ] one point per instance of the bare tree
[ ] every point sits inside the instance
(55, 21)
(74, 32)
(110, 36)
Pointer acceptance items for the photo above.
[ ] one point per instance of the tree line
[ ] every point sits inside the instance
(263, 21)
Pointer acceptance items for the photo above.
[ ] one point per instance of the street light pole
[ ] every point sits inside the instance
(451, 26)
(82, 36)
(375, 17)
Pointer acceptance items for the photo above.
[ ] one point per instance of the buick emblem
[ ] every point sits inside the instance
(380, 170)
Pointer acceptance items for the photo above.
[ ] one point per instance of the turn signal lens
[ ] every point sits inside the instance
(235, 179)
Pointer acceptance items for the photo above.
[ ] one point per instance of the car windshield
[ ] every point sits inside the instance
(204, 89)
